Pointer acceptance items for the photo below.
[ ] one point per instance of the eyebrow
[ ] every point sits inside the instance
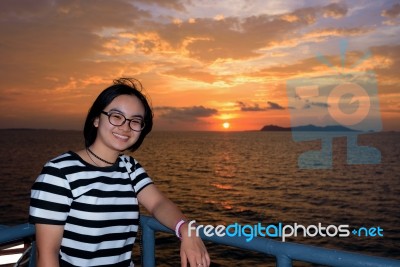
(119, 111)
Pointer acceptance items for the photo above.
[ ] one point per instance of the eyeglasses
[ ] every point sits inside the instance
(117, 119)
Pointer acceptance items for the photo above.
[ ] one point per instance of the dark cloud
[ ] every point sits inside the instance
(256, 107)
(310, 104)
(185, 113)
(392, 12)
(320, 104)
(245, 107)
(170, 4)
(272, 105)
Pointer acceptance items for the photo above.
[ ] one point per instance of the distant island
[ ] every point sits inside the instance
(307, 128)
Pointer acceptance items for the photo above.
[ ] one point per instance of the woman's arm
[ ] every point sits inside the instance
(164, 210)
(48, 242)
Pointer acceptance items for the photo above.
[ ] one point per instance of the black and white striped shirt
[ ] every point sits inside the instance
(97, 206)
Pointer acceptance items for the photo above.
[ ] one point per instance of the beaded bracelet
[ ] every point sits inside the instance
(178, 228)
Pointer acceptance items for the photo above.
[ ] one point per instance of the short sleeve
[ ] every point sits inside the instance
(140, 179)
(50, 197)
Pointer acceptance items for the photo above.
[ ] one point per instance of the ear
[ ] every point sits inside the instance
(96, 122)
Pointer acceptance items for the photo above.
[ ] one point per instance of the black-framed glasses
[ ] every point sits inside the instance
(117, 119)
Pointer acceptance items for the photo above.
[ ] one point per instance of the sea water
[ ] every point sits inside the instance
(222, 178)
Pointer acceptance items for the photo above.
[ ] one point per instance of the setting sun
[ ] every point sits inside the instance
(226, 125)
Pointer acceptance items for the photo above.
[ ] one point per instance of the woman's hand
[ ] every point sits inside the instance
(193, 249)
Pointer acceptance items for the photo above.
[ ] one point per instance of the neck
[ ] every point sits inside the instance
(98, 157)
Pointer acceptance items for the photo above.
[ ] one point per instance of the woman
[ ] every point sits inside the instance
(84, 204)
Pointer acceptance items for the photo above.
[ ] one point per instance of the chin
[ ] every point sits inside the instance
(123, 148)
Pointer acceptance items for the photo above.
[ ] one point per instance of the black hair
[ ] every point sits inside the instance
(121, 86)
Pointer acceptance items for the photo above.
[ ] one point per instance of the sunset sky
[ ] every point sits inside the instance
(202, 63)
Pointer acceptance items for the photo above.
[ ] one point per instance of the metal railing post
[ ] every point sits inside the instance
(32, 260)
(148, 243)
(283, 261)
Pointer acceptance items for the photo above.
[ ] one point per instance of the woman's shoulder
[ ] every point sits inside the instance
(64, 157)
(56, 166)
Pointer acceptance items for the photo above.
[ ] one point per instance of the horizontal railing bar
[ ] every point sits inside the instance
(17, 232)
(293, 251)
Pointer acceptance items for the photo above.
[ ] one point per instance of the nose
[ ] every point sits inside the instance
(125, 126)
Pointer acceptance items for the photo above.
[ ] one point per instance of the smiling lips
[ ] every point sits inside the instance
(122, 137)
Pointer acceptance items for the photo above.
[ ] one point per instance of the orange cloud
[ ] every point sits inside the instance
(193, 74)
(56, 58)
(334, 10)
(234, 38)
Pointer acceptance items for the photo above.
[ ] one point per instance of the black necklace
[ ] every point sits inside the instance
(97, 157)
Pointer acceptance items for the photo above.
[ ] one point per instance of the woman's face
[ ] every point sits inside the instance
(119, 138)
